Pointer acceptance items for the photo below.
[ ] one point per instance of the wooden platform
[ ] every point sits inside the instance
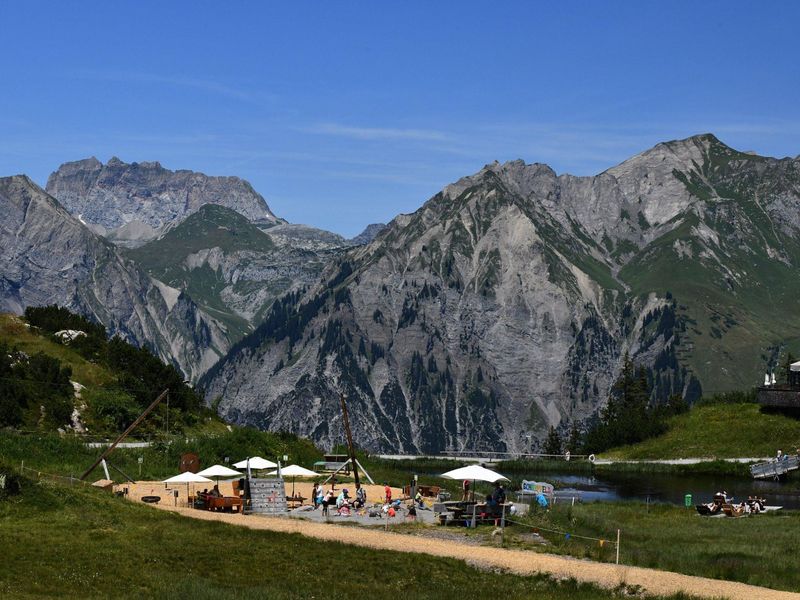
(775, 468)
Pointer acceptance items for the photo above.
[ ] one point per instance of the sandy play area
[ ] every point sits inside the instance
(167, 491)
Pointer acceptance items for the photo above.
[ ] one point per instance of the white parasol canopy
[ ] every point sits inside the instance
(795, 366)
(475, 473)
(188, 477)
(295, 471)
(219, 471)
(256, 463)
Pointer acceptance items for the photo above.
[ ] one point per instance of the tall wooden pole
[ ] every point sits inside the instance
(132, 426)
(350, 445)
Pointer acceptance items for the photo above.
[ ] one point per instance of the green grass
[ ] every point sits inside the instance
(77, 542)
(14, 332)
(68, 455)
(718, 430)
(758, 550)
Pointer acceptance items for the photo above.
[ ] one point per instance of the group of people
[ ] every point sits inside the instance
(343, 502)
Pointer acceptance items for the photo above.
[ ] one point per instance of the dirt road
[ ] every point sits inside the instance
(514, 561)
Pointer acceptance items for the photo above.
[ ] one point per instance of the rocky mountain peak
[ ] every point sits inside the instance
(118, 193)
(370, 232)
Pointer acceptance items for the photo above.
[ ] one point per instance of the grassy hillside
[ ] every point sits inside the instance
(118, 381)
(16, 333)
(89, 544)
(718, 430)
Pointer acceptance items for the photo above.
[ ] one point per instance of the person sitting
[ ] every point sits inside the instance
(215, 493)
(499, 494)
(418, 499)
(361, 497)
(343, 499)
(491, 507)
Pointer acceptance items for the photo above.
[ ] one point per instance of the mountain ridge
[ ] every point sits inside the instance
(506, 303)
(52, 258)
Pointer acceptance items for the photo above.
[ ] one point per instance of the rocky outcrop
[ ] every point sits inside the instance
(370, 232)
(131, 202)
(233, 269)
(506, 303)
(49, 257)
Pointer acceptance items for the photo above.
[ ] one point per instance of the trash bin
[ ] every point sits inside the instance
(687, 500)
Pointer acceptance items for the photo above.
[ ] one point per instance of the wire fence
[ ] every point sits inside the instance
(568, 535)
(39, 475)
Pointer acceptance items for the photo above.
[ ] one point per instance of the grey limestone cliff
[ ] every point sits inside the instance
(506, 303)
(49, 257)
(131, 202)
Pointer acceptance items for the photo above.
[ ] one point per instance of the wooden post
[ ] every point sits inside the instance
(132, 426)
(503, 526)
(350, 445)
(617, 546)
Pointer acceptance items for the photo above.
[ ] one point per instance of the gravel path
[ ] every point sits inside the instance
(514, 561)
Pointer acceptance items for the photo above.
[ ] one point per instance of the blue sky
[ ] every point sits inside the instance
(346, 113)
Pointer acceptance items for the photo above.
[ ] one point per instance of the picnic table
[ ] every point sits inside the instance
(471, 513)
(296, 499)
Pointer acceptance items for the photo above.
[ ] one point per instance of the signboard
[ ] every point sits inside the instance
(267, 496)
(189, 462)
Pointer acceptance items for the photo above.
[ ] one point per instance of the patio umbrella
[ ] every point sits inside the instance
(295, 471)
(217, 471)
(475, 473)
(256, 463)
(187, 478)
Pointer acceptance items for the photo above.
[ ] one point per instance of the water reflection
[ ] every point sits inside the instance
(656, 487)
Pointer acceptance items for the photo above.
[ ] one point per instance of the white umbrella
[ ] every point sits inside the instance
(256, 463)
(475, 473)
(187, 478)
(295, 471)
(219, 471)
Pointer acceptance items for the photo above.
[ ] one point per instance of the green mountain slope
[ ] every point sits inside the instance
(227, 265)
(730, 261)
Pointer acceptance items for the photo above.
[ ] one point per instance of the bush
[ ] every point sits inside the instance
(112, 409)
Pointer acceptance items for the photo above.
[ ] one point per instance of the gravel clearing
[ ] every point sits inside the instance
(513, 561)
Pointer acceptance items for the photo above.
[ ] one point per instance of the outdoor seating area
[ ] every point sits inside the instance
(311, 495)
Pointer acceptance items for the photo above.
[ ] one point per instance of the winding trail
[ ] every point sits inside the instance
(515, 561)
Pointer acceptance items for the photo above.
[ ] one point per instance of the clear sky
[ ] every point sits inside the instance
(346, 113)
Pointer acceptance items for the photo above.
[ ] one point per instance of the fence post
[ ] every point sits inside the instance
(617, 546)
(503, 526)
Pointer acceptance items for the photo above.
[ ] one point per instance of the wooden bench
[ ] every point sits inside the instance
(224, 503)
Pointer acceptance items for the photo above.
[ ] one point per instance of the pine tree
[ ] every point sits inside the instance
(553, 443)
(575, 441)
